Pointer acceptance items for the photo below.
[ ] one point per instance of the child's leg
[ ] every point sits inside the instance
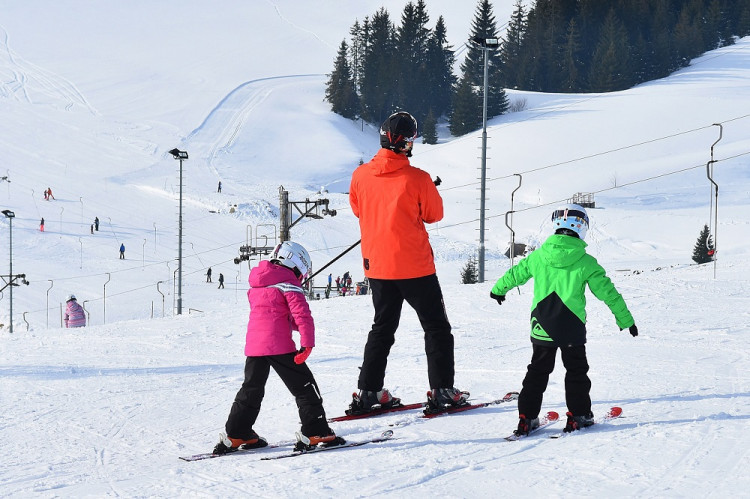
(577, 382)
(247, 402)
(535, 383)
(300, 381)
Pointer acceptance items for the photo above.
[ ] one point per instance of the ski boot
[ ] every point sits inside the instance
(440, 399)
(367, 401)
(526, 425)
(228, 444)
(577, 422)
(305, 443)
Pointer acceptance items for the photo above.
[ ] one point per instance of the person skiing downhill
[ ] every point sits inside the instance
(393, 200)
(278, 307)
(561, 269)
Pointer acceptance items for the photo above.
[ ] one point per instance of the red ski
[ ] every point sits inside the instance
(510, 396)
(613, 413)
(546, 420)
(377, 412)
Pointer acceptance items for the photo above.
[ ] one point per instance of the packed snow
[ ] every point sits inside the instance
(93, 96)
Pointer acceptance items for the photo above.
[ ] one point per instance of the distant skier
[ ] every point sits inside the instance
(219, 189)
(561, 268)
(221, 280)
(208, 275)
(277, 308)
(74, 313)
(49, 194)
(96, 224)
(122, 251)
(41, 225)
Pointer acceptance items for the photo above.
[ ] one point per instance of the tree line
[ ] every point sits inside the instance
(554, 46)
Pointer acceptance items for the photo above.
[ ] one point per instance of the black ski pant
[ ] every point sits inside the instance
(298, 379)
(424, 295)
(577, 382)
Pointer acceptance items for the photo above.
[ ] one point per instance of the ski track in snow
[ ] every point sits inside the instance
(29, 80)
(219, 130)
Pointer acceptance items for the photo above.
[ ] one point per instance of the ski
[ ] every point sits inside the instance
(510, 396)
(377, 412)
(385, 436)
(241, 450)
(613, 413)
(546, 420)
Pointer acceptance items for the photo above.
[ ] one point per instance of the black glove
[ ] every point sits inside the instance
(633, 330)
(499, 298)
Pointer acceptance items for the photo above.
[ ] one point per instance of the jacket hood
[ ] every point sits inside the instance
(561, 251)
(268, 274)
(387, 161)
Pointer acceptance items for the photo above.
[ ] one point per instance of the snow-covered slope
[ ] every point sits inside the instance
(94, 95)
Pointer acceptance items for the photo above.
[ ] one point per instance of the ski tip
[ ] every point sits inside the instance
(615, 412)
(552, 416)
(387, 434)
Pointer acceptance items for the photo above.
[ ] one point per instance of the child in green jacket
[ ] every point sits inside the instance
(561, 269)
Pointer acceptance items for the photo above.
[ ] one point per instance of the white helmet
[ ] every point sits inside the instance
(70, 297)
(292, 255)
(571, 217)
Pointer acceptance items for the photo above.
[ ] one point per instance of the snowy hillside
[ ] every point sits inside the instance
(94, 95)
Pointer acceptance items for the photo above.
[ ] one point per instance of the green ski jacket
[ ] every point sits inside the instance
(561, 269)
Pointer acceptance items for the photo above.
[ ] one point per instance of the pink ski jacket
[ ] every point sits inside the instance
(74, 315)
(277, 307)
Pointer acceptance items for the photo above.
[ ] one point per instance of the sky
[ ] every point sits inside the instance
(94, 95)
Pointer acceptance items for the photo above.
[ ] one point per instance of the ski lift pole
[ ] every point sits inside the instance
(512, 239)
(714, 201)
(512, 232)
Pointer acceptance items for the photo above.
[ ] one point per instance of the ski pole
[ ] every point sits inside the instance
(347, 250)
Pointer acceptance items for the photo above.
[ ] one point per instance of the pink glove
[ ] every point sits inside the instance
(302, 355)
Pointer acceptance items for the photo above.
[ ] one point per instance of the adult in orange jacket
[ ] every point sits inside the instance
(393, 200)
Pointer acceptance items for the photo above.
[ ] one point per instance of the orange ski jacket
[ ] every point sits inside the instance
(393, 200)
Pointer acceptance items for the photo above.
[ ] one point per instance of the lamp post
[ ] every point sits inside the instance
(486, 44)
(10, 215)
(180, 156)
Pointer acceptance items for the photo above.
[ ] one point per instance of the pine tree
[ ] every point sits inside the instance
(440, 60)
(379, 84)
(470, 273)
(411, 47)
(610, 66)
(512, 48)
(356, 50)
(484, 26)
(703, 252)
(571, 67)
(466, 115)
(429, 129)
(340, 90)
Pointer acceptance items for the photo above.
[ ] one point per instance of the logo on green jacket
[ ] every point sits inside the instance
(537, 331)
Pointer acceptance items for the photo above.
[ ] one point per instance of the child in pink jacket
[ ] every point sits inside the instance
(74, 314)
(278, 307)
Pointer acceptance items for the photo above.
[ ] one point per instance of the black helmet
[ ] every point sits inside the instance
(396, 131)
